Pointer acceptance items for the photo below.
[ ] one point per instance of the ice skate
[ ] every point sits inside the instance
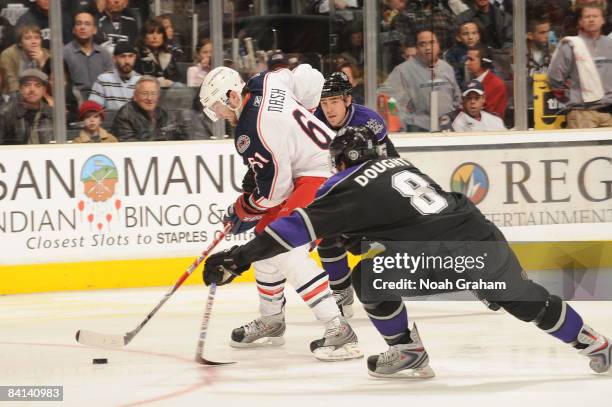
(402, 361)
(344, 299)
(596, 347)
(339, 342)
(262, 331)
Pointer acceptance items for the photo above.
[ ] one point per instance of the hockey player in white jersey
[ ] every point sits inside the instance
(285, 148)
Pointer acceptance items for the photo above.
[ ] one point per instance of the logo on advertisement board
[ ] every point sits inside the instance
(99, 176)
(471, 180)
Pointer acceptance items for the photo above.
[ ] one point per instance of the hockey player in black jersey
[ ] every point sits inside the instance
(379, 199)
(337, 110)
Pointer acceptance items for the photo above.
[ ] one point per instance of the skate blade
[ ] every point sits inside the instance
(408, 374)
(347, 311)
(259, 343)
(346, 352)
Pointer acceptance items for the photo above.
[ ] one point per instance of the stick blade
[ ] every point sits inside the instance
(199, 359)
(99, 340)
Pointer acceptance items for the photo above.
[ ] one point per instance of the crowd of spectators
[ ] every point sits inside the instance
(476, 38)
(129, 78)
(116, 62)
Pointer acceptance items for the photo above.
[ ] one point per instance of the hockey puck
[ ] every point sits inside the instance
(100, 361)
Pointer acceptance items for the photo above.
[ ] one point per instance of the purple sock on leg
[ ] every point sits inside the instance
(391, 326)
(338, 270)
(569, 325)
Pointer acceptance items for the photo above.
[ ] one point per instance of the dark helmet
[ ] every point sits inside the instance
(277, 60)
(336, 84)
(354, 145)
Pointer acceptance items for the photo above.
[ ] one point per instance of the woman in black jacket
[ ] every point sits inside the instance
(154, 57)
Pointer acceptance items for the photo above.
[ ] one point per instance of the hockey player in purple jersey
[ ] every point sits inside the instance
(337, 110)
(388, 201)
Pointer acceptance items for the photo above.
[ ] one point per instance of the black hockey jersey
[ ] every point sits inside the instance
(380, 200)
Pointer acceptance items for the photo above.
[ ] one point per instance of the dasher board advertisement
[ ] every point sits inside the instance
(526, 179)
(117, 201)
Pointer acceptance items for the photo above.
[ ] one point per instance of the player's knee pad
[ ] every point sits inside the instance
(550, 313)
(335, 262)
(329, 249)
(362, 283)
(524, 310)
(545, 314)
(527, 301)
(359, 279)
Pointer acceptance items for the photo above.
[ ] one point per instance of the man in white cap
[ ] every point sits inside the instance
(471, 117)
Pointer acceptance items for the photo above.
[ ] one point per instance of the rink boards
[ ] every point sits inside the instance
(135, 214)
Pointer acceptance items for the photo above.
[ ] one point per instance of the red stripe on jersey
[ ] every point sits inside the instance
(316, 291)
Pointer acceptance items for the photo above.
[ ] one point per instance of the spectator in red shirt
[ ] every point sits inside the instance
(479, 64)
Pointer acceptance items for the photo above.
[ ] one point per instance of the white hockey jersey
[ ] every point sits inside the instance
(278, 137)
(460, 121)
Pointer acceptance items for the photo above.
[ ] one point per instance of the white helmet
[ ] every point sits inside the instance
(216, 86)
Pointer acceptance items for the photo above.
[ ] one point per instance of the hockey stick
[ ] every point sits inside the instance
(250, 54)
(204, 330)
(90, 338)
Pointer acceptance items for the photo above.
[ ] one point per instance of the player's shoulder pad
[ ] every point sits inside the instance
(336, 180)
(256, 83)
(307, 85)
(364, 116)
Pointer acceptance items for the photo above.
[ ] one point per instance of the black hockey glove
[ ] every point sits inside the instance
(248, 182)
(221, 268)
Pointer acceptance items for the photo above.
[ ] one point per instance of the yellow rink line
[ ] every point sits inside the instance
(164, 272)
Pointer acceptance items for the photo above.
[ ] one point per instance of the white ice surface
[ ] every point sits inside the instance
(480, 357)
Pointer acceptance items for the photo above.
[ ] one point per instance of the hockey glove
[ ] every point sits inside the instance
(221, 268)
(245, 211)
(248, 182)
(238, 226)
